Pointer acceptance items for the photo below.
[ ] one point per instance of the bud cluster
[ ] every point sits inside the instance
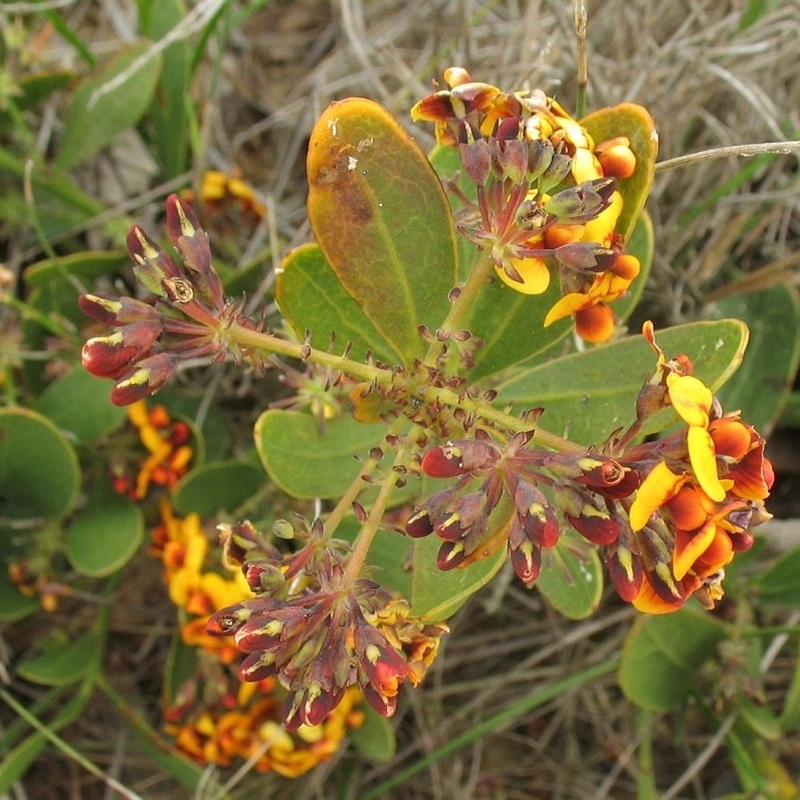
(667, 514)
(315, 632)
(186, 316)
(546, 196)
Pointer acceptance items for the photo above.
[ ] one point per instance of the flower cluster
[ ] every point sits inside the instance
(167, 442)
(186, 317)
(316, 631)
(546, 195)
(669, 514)
(215, 718)
(183, 547)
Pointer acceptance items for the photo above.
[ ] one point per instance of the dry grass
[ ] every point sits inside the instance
(708, 84)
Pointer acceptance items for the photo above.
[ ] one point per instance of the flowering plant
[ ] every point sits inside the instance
(431, 322)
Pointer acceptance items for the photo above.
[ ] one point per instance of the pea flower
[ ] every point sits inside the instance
(668, 515)
(216, 719)
(546, 198)
(316, 632)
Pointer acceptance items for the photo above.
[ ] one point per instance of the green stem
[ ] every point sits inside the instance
(467, 295)
(381, 376)
(65, 748)
(370, 527)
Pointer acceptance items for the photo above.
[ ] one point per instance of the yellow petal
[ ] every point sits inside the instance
(601, 228)
(703, 458)
(661, 485)
(534, 273)
(691, 398)
(648, 601)
(689, 547)
(568, 304)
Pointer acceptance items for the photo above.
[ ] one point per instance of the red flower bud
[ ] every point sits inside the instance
(149, 376)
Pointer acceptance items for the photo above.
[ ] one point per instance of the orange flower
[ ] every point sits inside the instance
(166, 440)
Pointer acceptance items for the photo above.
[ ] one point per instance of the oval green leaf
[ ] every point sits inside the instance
(593, 393)
(106, 535)
(572, 578)
(511, 326)
(761, 386)
(86, 266)
(375, 738)
(217, 486)
(39, 473)
(95, 117)
(312, 298)
(382, 219)
(662, 657)
(78, 404)
(307, 460)
(635, 122)
(65, 664)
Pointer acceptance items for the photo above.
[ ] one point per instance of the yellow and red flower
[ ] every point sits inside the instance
(246, 725)
(546, 196)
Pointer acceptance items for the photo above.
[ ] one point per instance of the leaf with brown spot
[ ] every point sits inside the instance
(382, 219)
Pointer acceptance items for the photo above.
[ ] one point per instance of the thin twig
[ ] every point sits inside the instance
(743, 150)
(192, 22)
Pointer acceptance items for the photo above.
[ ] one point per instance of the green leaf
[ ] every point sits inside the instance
(790, 713)
(436, 594)
(382, 219)
(780, 584)
(761, 386)
(572, 578)
(181, 665)
(307, 461)
(39, 473)
(593, 393)
(65, 664)
(93, 120)
(662, 657)
(375, 738)
(78, 404)
(312, 298)
(41, 86)
(217, 486)
(106, 536)
(635, 122)
(759, 717)
(85, 266)
(170, 111)
(511, 326)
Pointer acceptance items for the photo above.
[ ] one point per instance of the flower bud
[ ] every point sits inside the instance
(558, 169)
(526, 557)
(540, 156)
(616, 157)
(457, 458)
(148, 377)
(476, 158)
(153, 265)
(107, 356)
